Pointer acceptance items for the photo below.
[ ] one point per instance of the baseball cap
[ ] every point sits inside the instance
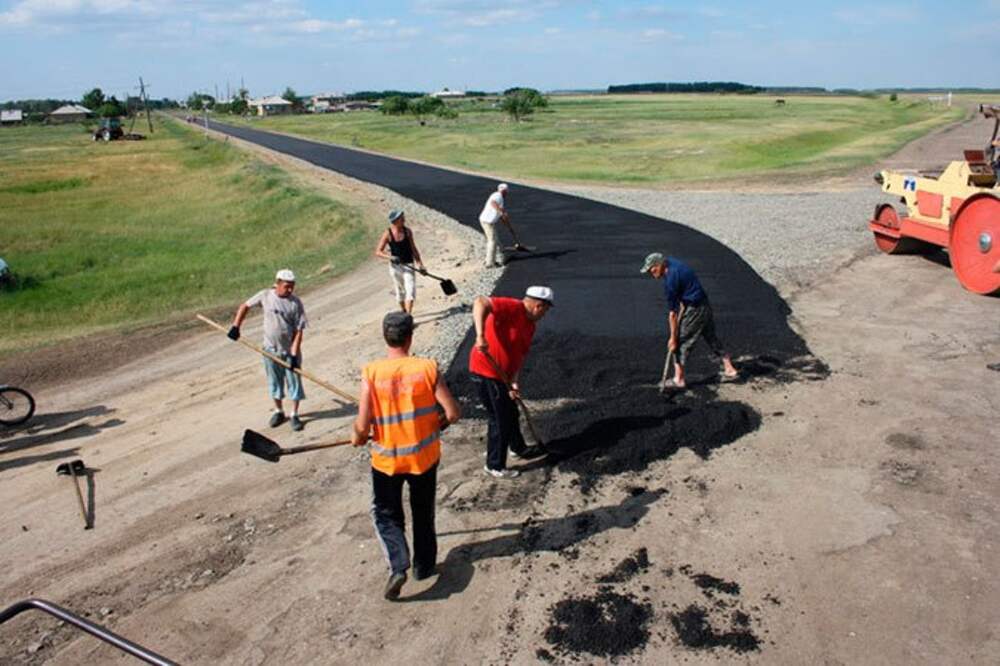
(541, 294)
(397, 324)
(652, 259)
(285, 275)
(502, 187)
(395, 215)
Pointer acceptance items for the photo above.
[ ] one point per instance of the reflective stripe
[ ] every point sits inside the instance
(398, 451)
(393, 419)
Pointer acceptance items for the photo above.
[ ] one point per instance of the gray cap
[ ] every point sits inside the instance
(395, 215)
(653, 259)
(397, 324)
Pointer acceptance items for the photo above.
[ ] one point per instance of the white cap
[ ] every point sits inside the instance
(502, 187)
(541, 294)
(285, 275)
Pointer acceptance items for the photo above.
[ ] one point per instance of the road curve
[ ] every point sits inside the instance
(603, 344)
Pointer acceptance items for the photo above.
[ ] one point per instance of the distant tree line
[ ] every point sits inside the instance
(695, 87)
(94, 99)
(374, 95)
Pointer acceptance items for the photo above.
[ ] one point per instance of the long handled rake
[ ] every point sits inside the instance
(329, 387)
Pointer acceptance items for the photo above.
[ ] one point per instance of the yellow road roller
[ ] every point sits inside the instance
(958, 210)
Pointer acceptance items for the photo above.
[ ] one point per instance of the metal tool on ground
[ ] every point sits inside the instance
(329, 387)
(666, 370)
(447, 286)
(520, 403)
(260, 446)
(76, 469)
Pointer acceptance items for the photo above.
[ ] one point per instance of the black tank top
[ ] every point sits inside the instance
(401, 249)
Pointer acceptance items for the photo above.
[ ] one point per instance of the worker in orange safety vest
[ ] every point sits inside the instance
(403, 405)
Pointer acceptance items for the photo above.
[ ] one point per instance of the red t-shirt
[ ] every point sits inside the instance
(508, 331)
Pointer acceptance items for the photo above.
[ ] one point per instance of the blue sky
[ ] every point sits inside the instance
(60, 48)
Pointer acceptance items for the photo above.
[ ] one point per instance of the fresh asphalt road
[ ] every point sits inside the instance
(609, 324)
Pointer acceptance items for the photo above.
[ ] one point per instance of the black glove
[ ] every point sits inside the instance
(295, 362)
(234, 333)
(394, 260)
(443, 421)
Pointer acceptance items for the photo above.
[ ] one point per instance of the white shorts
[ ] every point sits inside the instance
(403, 281)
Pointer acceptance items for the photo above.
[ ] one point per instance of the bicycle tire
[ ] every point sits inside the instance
(16, 405)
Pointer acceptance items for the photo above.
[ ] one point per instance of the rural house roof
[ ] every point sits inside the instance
(273, 100)
(70, 109)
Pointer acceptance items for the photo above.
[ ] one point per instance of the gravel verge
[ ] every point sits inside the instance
(790, 239)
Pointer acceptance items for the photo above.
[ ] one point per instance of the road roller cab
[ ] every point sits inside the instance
(958, 209)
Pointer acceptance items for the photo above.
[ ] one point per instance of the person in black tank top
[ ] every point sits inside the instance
(397, 245)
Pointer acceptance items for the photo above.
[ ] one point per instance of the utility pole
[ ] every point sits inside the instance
(145, 103)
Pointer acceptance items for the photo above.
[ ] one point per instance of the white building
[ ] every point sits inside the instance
(269, 106)
(449, 94)
(11, 117)
(70, 113)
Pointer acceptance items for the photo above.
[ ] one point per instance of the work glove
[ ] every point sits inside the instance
(295, 362)
(443, 421)
(234, 333)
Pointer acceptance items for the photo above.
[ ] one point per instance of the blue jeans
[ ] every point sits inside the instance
(278, 376)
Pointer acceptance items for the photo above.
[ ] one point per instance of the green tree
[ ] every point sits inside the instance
(425, 106)
(111, 108)
(94, 99)
(521, 102)
(197, 101)
(291, 96)
(396, 105)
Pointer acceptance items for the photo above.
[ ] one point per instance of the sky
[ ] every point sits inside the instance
(62, 48)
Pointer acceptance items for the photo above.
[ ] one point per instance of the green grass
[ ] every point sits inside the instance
(109, 236)
(642, 139)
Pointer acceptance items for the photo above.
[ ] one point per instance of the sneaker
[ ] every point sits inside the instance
(394, 585)
(296, 423)
(501, 473)
(530, 452)
(277, 419)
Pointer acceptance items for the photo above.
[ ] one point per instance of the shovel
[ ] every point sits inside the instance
(76, 469)
(520, 403)
(258, 445)
(447, 286)
(517, 243)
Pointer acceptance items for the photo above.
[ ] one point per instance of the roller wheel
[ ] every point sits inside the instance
(888, 217)
(974, 245)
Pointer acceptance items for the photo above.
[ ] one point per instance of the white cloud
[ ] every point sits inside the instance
(659, 34)
(877, 15)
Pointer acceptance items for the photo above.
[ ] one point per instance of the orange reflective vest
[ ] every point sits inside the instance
(407, 436)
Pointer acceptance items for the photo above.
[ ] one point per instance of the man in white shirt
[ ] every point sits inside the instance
(494, 211)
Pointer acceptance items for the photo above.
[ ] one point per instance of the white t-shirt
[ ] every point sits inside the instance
(283, 317)
(490, 215)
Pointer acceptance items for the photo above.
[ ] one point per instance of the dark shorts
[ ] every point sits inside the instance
(698, 323)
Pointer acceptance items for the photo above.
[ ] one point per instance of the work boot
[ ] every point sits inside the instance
(295, 422)
(394, 585)
(530, 452)
(277, 419)
(422, 574)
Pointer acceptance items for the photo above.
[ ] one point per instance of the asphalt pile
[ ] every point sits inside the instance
(605, 624)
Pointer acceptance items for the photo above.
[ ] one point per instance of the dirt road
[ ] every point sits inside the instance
(839, 507)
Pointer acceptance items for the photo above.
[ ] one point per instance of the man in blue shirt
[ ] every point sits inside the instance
(690, 315)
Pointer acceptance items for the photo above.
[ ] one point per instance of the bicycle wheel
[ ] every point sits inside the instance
(16, 405)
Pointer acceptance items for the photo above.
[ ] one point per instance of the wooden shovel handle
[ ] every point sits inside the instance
(520, 403)
(250, 345)
(313, 447)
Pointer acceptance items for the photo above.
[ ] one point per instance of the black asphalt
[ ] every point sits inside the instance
(603, 344)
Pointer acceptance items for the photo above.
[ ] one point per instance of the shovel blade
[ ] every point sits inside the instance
(257, 445)
(449, 288)
(72, 467)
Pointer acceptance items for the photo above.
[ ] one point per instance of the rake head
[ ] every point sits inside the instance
(257, 445)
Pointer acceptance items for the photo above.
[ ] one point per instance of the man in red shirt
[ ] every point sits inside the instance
(504, 328)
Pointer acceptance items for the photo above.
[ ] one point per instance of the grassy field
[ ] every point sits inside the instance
(105, 236)
(642, 139)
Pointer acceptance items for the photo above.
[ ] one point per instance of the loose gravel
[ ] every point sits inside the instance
(790, 239)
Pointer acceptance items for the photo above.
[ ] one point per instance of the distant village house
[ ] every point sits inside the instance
(327, 102)
(11, 117)
(270, 106)
(70, 113)
(449, 94)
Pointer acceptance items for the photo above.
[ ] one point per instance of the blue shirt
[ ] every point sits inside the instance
(681, 285)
